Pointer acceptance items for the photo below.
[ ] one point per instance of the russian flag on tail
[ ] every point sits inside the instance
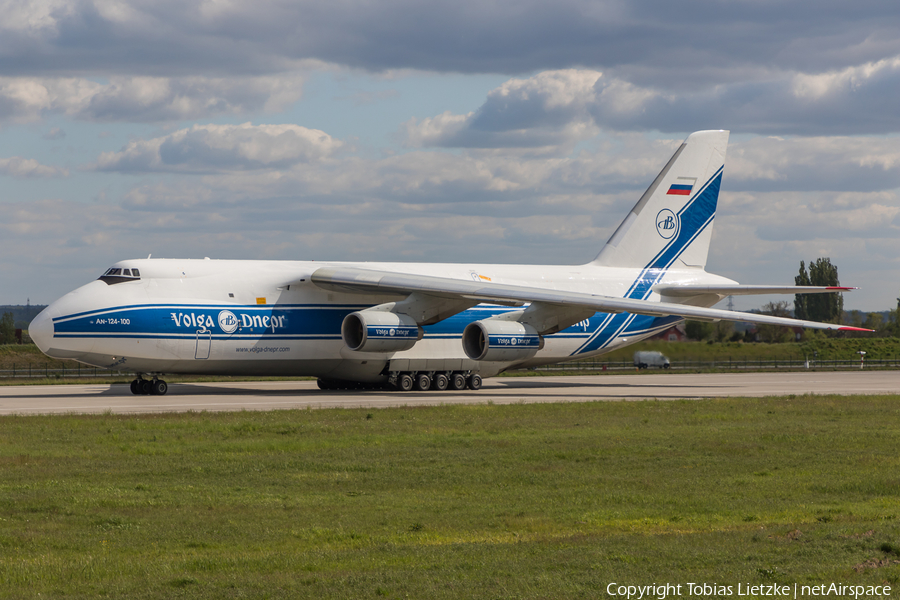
(678, 189)
(683, 187)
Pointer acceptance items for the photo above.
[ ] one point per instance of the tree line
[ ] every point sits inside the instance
(7, 329)
(824, 308)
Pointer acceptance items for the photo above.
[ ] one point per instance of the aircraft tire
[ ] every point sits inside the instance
(474, 382)
(440, 382)
(405, 382)
(458, 382)
(145, 386)
(423, 382)
(135, 387)
(327, 384)
(159, 387)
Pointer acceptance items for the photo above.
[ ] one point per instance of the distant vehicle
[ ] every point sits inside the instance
(650, 358)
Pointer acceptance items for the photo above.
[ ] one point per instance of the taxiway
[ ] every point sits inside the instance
(274, 395)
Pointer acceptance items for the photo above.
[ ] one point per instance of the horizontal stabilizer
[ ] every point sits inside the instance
(745, 290)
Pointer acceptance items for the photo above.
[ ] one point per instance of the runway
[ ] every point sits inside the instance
(275, 395)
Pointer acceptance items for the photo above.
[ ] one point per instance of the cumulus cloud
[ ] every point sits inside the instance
(854, 100)
(29, 168)
(559, 108)
(811, 68)
(144, 99)
(548, 109)
(211, 148)
(858, 164)
(284, 160)
(142, 36)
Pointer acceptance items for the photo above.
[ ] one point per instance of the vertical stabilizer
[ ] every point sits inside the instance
(671, 225)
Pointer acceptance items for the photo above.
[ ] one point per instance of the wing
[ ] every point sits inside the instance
(351, 279)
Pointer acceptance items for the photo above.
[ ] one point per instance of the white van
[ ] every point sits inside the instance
(650, 358)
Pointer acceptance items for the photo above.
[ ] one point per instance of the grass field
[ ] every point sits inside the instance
(522, 501)
(820, 346)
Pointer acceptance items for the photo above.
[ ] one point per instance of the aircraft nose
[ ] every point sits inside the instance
(41, 330)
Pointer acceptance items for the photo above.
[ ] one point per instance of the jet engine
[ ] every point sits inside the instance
(380, 331)
(497, 340)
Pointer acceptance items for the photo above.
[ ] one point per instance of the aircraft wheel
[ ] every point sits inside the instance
(665, 366)
(323, 384)
(458, 382)
(159, 387)
(145, 386)
(423, 382)
(405, 382)
(136, 387)
(474, 382)
(440, 382)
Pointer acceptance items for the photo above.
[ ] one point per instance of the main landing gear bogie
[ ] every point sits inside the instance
(438, 381)
(407, 381)
(149, 387)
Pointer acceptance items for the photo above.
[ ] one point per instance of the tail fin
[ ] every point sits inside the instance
(671, 225)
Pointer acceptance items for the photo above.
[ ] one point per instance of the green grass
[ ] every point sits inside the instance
(523, 501)
(827, 348)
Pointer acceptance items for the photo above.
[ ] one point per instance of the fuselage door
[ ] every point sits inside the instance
(204, 338)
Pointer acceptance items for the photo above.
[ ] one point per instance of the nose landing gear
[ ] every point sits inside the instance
(144, 387)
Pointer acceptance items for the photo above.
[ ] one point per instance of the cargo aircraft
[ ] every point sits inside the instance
(404, 326)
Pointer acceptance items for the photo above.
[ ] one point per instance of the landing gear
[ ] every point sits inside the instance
(474, 382)
(440, 382)
(406, 381)
(423, 382)
(457, 382)
(145, 387)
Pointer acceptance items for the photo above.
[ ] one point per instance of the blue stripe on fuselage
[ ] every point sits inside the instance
(300, 322)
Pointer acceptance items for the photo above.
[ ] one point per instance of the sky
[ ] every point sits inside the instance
(467, 131)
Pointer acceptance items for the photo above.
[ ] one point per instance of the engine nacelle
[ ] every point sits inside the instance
(500, 340)
(380, 331)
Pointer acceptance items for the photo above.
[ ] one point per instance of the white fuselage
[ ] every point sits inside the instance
(268, 318)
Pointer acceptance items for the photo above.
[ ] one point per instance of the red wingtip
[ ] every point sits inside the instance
(855, 329)
(841, 288)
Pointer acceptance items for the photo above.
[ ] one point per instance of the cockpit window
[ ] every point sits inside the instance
(115, 275)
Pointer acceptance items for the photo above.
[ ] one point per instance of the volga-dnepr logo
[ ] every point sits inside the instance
(227, 321)
(667, 224)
